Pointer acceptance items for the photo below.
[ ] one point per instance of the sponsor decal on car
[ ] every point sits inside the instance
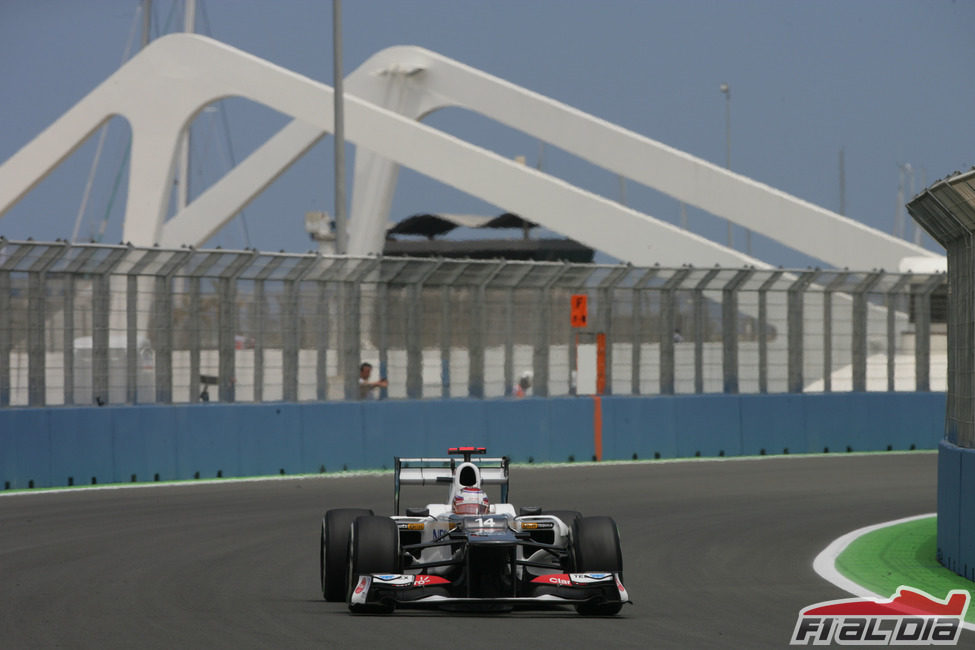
(405, 580)
(568, 579)
(624, 596)
(363, 584)
(397, 580)
(554, 579)
(589, 578)
(910, 616)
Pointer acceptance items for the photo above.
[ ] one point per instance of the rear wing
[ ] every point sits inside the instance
(440, 471)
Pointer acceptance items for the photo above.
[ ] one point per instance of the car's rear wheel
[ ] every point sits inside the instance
(334, 558)
(596, 547)
(373, 548)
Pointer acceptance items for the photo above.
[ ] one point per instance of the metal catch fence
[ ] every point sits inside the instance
(93, 324)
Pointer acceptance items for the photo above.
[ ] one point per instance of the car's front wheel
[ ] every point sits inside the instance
(334, 557)
(373, 548)
(596, 547)
(568, 517)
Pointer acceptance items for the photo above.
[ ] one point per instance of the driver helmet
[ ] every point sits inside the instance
(471, 501)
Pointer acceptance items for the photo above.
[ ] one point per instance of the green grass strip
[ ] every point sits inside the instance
(903, 554)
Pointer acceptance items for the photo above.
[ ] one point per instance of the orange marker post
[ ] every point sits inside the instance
(600, 364)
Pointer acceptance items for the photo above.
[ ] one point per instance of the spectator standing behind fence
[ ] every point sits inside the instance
(524, 384)
(366, 387)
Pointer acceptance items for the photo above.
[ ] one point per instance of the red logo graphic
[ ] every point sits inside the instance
(911, 616)
(554, 579)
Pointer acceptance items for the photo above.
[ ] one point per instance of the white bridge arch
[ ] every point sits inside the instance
(162, 89)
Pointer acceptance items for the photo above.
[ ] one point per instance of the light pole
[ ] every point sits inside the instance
(341, 223)
(726, 91)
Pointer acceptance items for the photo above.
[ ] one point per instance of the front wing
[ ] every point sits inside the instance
(381, 592)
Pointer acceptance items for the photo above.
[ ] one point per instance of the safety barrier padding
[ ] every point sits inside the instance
(708, 429)
(956, 505)
(774, 425)
(966, 515)
(41, 447)
(949, 503)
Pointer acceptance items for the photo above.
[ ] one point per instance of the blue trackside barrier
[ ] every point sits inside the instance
(145, 443)
(956, 502)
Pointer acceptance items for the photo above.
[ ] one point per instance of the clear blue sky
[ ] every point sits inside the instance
(888, 81)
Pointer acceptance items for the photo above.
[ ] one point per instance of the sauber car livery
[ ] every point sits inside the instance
(468, 553)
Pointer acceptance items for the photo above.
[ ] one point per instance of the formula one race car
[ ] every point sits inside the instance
(470, 554)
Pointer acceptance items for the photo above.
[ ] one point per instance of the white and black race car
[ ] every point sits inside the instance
(468, 553)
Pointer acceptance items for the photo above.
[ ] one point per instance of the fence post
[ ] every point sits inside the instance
(860, 329)
(795, 315)
(475, 375)
(351, 335)
(162, 325)
(890, 300)
(195, 341)
(763, 329)
(729, 329)
(291, 327)
(36, 317)
(132, 353)
(67, 304)
(543, 335)
(668, 318)
(102, 301)
(639, 289)
(701, 327)
(321, 341)
(606, 288)
(922, 329)
(260, 317)
(828, 291)
(70, 272)
(228, 325)
(522, 271)
(446, 332)
(6, 322)
(414, 333)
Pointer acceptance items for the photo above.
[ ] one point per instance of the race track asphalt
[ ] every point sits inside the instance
(716, 555)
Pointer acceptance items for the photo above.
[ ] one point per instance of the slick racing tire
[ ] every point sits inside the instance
(373, 548)
(596, 547)
(334, 559)
(568, 517)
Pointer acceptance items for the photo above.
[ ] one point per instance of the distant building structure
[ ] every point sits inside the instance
(422, 230)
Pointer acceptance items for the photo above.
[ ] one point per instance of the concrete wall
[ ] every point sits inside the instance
(79, 446)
